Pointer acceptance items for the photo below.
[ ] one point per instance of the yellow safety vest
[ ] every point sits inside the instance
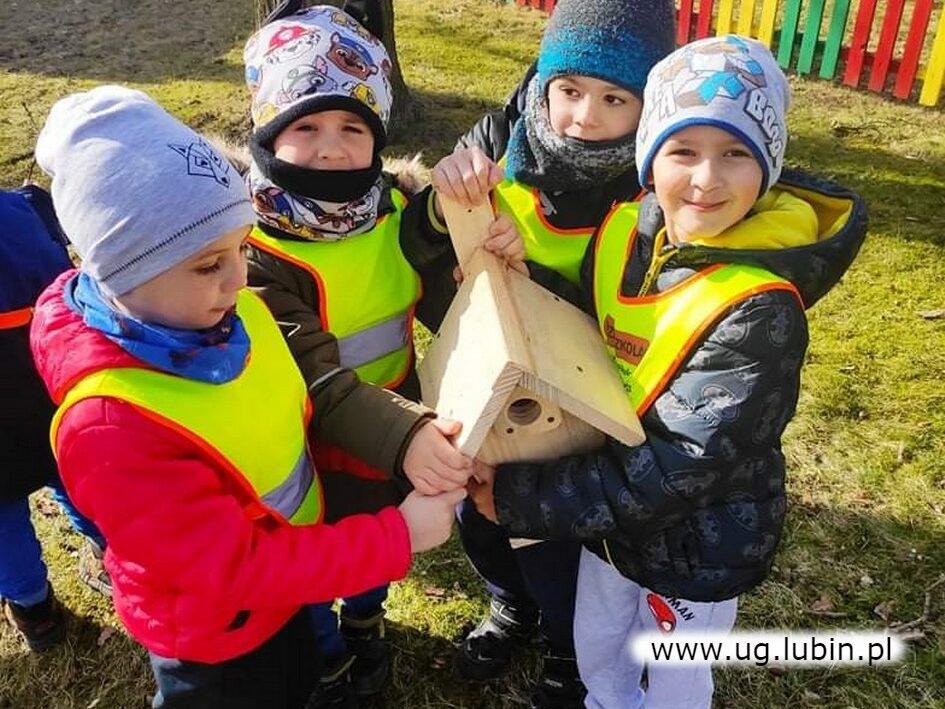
(650, 336)
(367, 292)
(15, 318)
(559, 249)
(253, 426)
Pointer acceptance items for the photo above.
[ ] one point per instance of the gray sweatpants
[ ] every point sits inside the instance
(610, 612)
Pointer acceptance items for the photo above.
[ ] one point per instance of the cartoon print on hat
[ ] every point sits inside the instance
(317, 53)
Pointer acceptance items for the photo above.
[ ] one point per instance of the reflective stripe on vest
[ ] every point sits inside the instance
(367, 292)
(15, 318)
(559, 249)
(253, 426)
(650, 336)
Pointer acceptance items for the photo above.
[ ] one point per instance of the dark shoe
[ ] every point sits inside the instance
(42, 625)
(92, 568)
(334, 690)
(486, 652)
(559, 686)
(366, 641)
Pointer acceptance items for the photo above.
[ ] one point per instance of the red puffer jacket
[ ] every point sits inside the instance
(194, 578)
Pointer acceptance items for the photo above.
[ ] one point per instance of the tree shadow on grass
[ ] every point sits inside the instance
(111, 40)
(905, 196)
(96, 665)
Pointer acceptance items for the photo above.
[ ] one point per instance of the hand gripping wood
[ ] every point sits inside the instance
(525, 372)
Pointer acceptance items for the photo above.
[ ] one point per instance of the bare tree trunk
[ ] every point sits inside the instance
(404, 108)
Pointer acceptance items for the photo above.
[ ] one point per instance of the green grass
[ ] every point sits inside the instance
(866, 450)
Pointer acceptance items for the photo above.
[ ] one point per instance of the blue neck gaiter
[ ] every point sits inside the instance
(216, 355)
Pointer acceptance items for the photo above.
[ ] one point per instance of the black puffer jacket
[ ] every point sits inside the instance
(564, 210)
(696, 511)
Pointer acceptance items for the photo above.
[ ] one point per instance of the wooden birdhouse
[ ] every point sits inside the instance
(525, 372)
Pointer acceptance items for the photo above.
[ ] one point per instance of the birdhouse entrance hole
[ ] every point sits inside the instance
(524, 411)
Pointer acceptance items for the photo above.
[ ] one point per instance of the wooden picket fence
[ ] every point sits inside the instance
(795, 37)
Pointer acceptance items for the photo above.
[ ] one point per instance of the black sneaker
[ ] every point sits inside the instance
(334, 690)
(559, 686)
(367, 642)
(486, 652)
(42, 625)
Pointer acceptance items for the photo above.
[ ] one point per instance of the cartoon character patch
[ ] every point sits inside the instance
(273, 204)
(363, 93)
(723, 68)
(290, 43)
(306, 80)
(351, 57)
(342, 19)
(204, 161)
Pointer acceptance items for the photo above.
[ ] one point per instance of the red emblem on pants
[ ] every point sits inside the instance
(665, 618)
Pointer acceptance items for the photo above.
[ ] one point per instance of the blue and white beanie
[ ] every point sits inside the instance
(318, 59)
(729, 82)
(614, 40)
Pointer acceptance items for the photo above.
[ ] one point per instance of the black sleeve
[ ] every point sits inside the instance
(724, 411)
(430, 253)
(491, 134)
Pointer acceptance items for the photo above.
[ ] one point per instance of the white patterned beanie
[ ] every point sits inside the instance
(318, 59)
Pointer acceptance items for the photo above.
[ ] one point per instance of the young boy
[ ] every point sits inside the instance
(182, 423)
(344, 260)
(705, 321)
(32, 253)
(566, 143)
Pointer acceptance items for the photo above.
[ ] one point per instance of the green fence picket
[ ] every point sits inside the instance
(838, 25)
(815, 15)
(792, 13)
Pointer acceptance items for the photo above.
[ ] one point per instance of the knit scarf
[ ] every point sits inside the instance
(216, 355)
(314, 205)
(539, 157)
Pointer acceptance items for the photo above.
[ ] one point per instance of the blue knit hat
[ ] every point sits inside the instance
(614, 40)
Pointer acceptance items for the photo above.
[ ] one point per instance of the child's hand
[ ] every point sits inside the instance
(466, 176)
(432, 463)
(481, 487)
(505, 242)
(430, 518)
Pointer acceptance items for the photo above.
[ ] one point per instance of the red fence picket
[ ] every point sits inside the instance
(695, 21)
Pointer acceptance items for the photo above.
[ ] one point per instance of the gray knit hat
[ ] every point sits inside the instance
(136, 191)
(729, 82)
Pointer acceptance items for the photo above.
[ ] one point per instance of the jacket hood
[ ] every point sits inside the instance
(65, 349)
(813, 268)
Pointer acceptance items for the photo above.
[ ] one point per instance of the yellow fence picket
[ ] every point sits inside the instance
(935, 70)
(746, 16)
(766, 30)
(723, 21)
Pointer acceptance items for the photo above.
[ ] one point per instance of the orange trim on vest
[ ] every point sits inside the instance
(597, 241)
(307, 267)
(15, 318)
(706, 324)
